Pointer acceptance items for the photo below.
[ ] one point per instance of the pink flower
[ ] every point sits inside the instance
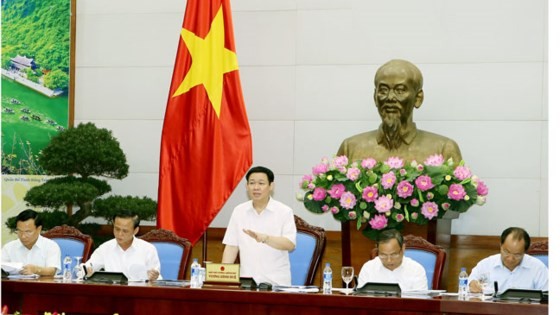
(402, 171)
(424, 183)
(404, 189)
(335, 210)
(414, 202)
(395, 162)
(420, 167)
(353, 173)
(340, 163)
(384, 204)
(388, 180)
(430, 209)
(337, 190)
(319, 169)
(305, 181)
(378, 222)
(414, 215)
(434, 160)
(462, 172)
(456, 192)
(429, 195)
(325, 208)
(399, 217)
(352, 215)
(319, 194)
(370, 194)
(481, 188)
(369, 163)
(446, 205)
(347, 200)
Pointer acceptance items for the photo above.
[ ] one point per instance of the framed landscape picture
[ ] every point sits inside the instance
(37, 89)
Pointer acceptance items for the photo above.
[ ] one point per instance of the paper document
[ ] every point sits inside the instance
(33, 276)
(424, 292)
(296, 288)
(343, 290)
(12, 268)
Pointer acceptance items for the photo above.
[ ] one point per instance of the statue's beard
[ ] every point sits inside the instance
(392, 130)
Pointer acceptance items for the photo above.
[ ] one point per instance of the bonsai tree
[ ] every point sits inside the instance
(79, 156)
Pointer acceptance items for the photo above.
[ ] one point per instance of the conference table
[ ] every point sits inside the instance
(48, 295)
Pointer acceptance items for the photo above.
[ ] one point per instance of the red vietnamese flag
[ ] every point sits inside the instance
(206, 144)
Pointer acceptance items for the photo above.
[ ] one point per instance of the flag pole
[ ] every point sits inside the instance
(204, 248)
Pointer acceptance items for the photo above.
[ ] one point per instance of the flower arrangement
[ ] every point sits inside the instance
(385, 194)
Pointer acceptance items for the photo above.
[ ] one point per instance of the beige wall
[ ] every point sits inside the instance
(306, 68)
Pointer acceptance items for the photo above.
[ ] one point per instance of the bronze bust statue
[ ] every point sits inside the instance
(398, 91)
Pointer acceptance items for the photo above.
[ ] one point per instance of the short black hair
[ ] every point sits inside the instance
(388, 235)
(261, 169)
(30, 214)
(127, 214)
(517, 234)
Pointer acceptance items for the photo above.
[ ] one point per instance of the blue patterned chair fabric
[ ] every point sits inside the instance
(305, 258)
(173, 252)
(71, 241)
(539, 250)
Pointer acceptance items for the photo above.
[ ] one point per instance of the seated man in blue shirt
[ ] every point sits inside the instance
(511, 268)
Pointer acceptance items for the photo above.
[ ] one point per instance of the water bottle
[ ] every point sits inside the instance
(195, 267)
(201, 276)
(67, 271)
(463, 283)
(327, 279)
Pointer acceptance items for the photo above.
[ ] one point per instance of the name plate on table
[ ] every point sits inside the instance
(222, 273)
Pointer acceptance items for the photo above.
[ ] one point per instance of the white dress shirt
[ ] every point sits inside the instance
(44, 253)
(410, 275)
(134, 262)
(530, 274)
(258, 260)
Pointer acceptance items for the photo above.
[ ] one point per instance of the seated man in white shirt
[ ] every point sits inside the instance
(262, 231)
(134, 257)
(39, 255)
(391, 266)
(511, 268)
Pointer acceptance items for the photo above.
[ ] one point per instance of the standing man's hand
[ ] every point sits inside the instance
(259, 237)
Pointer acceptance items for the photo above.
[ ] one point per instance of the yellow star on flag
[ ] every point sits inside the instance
(210, 60)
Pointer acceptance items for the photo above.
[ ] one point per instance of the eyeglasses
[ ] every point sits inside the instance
(506, 253)
(392, 256)
(26, 233)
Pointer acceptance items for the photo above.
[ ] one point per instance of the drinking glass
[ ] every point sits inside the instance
(78, 270)
(347, 275)
(484, 281)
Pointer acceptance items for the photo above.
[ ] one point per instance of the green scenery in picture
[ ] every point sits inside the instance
(35, 79)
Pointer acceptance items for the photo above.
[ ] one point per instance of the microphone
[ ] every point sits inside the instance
(495, 288)
(85, 271)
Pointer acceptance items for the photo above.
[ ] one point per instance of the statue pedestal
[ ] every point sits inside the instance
(356, 247)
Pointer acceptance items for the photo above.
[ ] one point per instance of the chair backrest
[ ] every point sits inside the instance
(539, 250)
(71, 241)
(430, 256)
(310, 246)
(173, 252)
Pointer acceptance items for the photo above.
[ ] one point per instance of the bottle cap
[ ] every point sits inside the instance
(328, 264)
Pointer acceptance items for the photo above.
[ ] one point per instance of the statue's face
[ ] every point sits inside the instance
(395, 95)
